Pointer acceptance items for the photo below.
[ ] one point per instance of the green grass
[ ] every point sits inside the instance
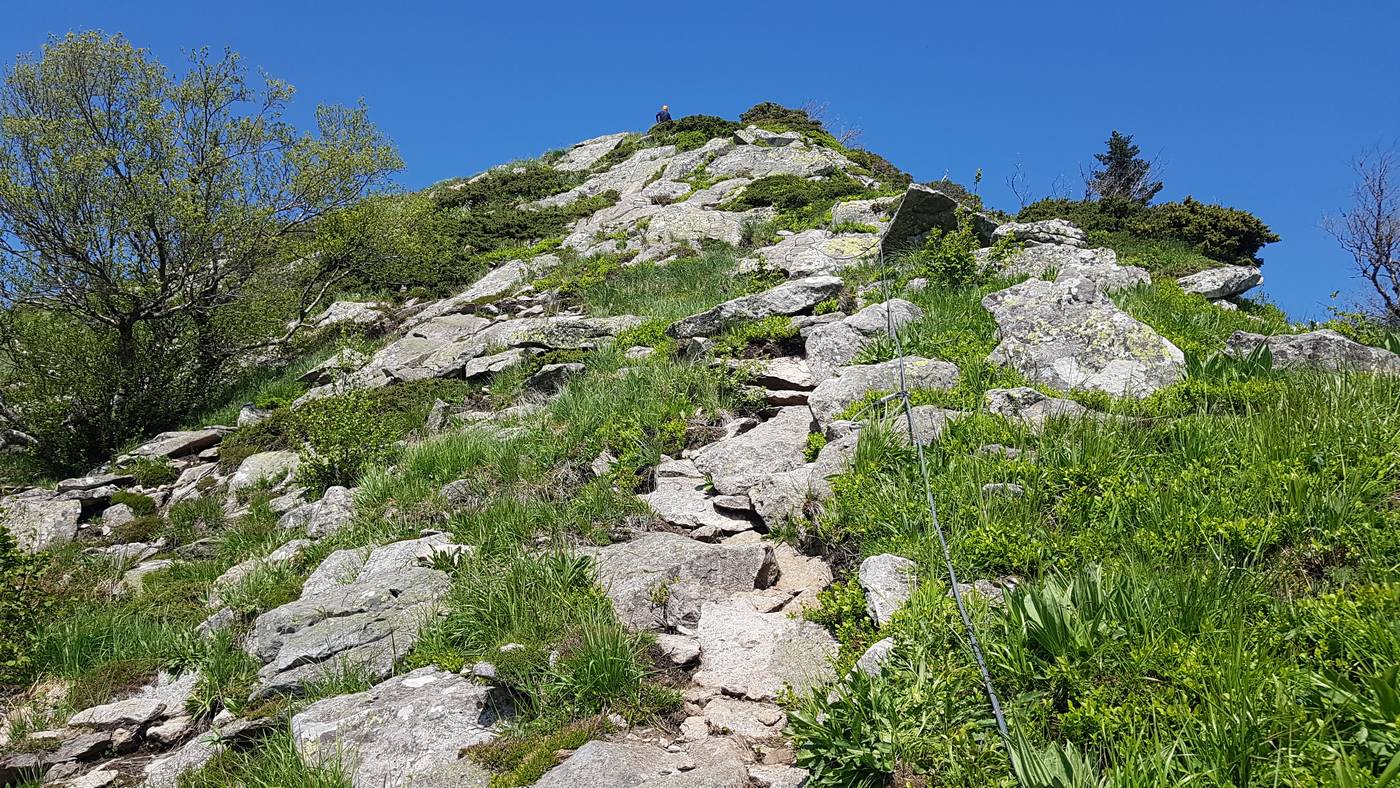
(1191, 322)
(1161, 257)
(1210, 596)
(273, 763)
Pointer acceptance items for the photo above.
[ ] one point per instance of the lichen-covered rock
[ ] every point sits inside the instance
(39, 519)
(660, 580)
(360, 609)
(874, 212)
(603, 764)
(922, 209)
(851, 384)
(836, 344)
(1069, 335)
(408, 731)
(753, 655)
(1073, 262)
(1049, 231)
(583, 155)
(1031, 407)
(356, 312)
(682, 500)
(817, 252)
(1224, 282)
(781, 496)
(322, 518)
(1322, 349)
(627, 177)
(270, 467)
(888, 581)
(735, 464)
(756, 161)
(789, 298)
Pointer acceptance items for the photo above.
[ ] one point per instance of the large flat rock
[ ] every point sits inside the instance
(752, 655)
(1069, 335)
(39, 520)
(837, 344)
(408, 731)
(1324, 349)
(789, 298)
(1223, 282)
(603, 764)
(661, 580)
(851, 384)
(738, 463)
(360, 609)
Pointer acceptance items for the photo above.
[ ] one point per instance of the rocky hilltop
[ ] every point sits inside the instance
(639, 509)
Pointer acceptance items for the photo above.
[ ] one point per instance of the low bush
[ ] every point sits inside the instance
(769, 336)
(25, 606)
(150, 471)
(1226, 235)
(776, 117)
(140, 505)
(801, 203)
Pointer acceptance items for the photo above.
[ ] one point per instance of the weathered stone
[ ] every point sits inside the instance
(97, 778)
(95, 481)
(357, 312)
(684, 502)
(552, 377)
(1224, 282)
(272, 467)
(800, 576)
(603, 764)
(1323, 349)
(1032, 407)
(756, 655)
(837, 344)
(888, 581)
(345, 360)
(584, 155)
(116, 515)
(625, 178)
(687, 223)
(755, 161)
(178, 444)
(660, 580)
(924, 208)
(817, 253)
(1048, 231)
(851, 384)
(407, 731)
(166, 772)
(789, 298)
(39, 520)
(874, 212)
(164, 698)
(738, 463)
(1069, 335)
(679, 649)
(1109, 278)
(749, 719)
(874, 657)
(785, 494)
(1002, 490)
(360, 609)
(172, 730)
(778, 776)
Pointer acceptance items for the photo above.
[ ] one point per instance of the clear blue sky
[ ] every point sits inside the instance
(1258, 105)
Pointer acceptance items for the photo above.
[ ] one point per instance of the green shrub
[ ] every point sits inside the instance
(738, 339)
(879, 167)
(150, 471)
(776, 117)
(140, 505)
(801, 203)
(1227, 235)
(692, 131)
(25, 606)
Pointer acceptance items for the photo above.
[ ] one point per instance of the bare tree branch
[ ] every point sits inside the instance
(1369, 230)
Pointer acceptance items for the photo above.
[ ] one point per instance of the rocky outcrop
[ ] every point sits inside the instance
(661, 580)
(753, 655)
(921, 209)
(816, 253)
(179, 443)
(888, 581)
(39, 519)
(680, 499)
(738, 463)
(360, 609)
(408, 731)
(584, 155)
(1323, 349)
(787, 299)
(1225, 282)
(851, 384)
(1049, 231)
(1069, 335)
(837, 344)
(781, 496)
(873, 212)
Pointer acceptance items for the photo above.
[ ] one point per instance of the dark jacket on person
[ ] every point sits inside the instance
(663, 116)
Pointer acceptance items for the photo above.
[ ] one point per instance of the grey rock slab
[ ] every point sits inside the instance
(584, 155)
(165, 698)
(784, 374)
(626, 177)
(360, 608)
(781, 496)
(180, 443)
(603, 764)
(888, 581)
(873, 212)
(756, 655)
(271, 466)
(356, 312)
(407, 731)
(738, 463)
(800, 159)
(801, 576)
(923, 208)
(1040, 259)
(836, 344)
(787, 299)
(1032, 407)
(679, 649)
(1069, 335)
(166, 772)
(1109, 278)
(817, 252)
(1324, 349)
(97, 778)
(750, 719)
(777, 775)
(684, 502)
(1048, 231)
(874, 657)
(1224, 282)
(494, 285)
(660, 580)
(851, 384)
(39, 520)
(686, 223)
(95, 481)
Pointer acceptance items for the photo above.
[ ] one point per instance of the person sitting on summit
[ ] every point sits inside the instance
(664, 115)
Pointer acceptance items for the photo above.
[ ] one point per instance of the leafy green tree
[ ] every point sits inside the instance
(143, 209)
(1124, 175)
